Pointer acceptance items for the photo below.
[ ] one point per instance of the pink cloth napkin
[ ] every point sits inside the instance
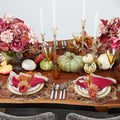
(35, 80)
(97, 80)
(82, 82)
(23, 89)
(15, 81)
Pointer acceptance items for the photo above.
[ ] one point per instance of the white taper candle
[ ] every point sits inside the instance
(41, 20)
(54, 13)
(95, 25)
(83, 9)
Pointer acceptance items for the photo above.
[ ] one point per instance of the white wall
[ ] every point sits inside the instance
(69, 14)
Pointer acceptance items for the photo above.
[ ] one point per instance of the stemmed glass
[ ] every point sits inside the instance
(47, 51)
(112, 54)
(77, 38)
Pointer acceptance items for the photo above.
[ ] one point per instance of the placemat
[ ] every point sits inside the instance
(72, 95)
(43, 93)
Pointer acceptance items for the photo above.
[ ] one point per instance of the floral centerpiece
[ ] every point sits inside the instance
(110, 37)
(110, 33)
(15, 36)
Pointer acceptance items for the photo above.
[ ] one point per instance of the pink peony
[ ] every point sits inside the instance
(3, 26)
(16, 45)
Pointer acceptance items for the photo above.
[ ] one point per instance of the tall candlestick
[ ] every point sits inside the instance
(83, 9)
(41, 20)
(96, 25)
(54, 14)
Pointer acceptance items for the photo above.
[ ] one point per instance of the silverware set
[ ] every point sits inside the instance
(58, 89)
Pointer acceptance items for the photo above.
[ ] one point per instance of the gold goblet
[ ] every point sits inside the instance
(112, 54)
(47, 51)
(77, 38)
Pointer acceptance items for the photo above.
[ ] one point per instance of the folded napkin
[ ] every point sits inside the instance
(37, 79)
(81, 81)
(23, 88)
(97, 80)
(23, 84)
(94, 83)
(15, 82)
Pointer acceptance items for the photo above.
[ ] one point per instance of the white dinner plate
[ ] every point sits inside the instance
(83, 92)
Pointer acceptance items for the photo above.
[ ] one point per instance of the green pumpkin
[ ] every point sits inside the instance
(69, 62)
(46, 65)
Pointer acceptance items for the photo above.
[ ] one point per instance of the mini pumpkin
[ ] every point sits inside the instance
(90, 67)
(88, 58)
(46, 65)
(103, 62)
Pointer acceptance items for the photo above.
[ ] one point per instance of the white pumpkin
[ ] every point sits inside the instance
(70, 62)
(103, 62)
(29, 64)
(90, 67)
(88, 58)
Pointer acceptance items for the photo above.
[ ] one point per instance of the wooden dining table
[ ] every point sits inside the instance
(67, 104)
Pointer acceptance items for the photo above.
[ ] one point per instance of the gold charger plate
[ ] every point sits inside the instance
(83, 92)
(31, 90)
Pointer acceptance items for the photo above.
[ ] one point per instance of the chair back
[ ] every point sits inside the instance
(74, 116)
(42, 116)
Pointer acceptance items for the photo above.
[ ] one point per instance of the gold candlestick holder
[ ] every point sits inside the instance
(54, 35)
(43, 39)
(94, 47)
(83, 29)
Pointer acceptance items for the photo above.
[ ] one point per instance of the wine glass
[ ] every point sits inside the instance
(112, 54)
(77, 38)
(47, 51)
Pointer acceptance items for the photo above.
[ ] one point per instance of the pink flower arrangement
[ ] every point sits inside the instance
(15, 35)
(110, 33)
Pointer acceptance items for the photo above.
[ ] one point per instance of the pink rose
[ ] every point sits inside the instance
(16, 45)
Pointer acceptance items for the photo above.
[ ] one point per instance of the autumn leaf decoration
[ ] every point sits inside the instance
(92, 88)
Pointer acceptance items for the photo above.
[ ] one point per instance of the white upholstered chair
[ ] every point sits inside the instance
(42, 116)
(74, 116)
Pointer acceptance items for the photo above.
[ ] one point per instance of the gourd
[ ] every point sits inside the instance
(46, 65)
(29, 64)
(69, 62)
(88, 58)
(103, 62)
(90, 67)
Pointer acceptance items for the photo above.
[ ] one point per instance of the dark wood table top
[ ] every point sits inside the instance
(40, 102)
(114, 73)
